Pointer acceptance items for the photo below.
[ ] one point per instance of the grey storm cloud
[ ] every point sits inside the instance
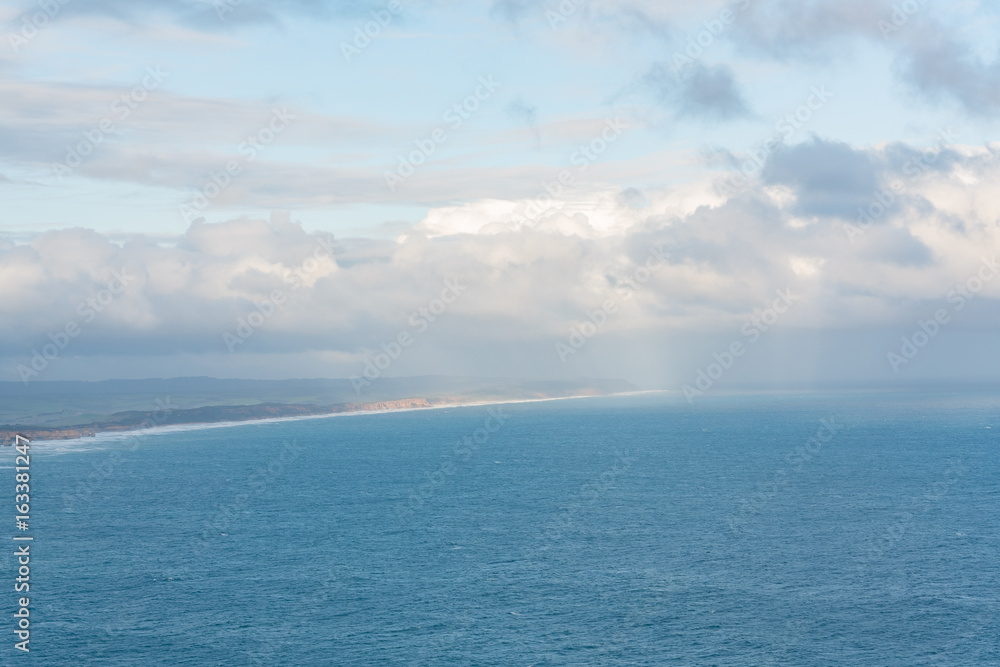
(902, 159)
(940, 66)
(829, 178)
(698, 91)
(897, 246)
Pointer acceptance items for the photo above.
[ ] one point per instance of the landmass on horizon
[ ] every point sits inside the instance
(65, 410)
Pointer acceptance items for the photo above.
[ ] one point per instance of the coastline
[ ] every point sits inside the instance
(125, 434)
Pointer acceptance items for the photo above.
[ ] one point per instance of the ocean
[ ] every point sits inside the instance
(772, 529)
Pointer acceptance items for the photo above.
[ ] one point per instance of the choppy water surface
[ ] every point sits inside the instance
(614, 531)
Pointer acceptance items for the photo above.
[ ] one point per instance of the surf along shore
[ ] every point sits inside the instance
(122, 422)
(167, 416)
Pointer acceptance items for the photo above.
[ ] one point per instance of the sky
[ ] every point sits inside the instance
(688, 195)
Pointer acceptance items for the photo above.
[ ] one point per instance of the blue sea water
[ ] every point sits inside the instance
(820, 529)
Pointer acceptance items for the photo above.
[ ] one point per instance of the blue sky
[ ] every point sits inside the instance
(894, 87)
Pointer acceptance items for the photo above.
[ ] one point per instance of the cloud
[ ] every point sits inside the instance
(698, 91)
(217, 14)
(933, 57)
(526, 283)
(808, 29)
(592, 25)
(177, 142)
(941, 67)
(828, 178)
(522, 112)
(511, 10)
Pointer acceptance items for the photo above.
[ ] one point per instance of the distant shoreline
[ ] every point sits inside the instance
(402, 405)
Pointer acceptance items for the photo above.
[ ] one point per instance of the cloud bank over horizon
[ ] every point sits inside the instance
(619, 188)
(873, 253)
